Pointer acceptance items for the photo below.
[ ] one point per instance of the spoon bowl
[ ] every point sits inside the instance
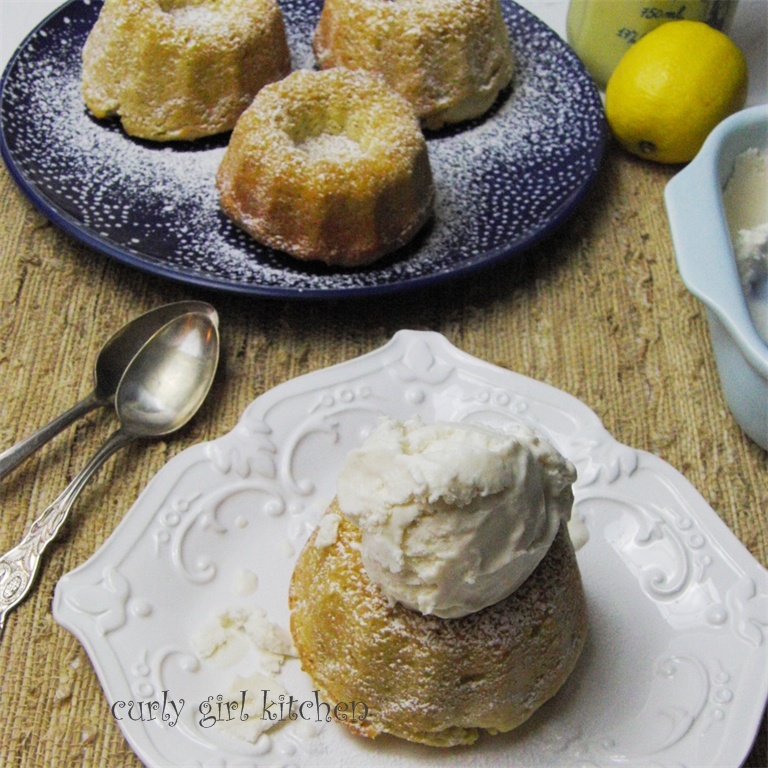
(169, 378)
(113, 360)
(163, 386)
(121, 347)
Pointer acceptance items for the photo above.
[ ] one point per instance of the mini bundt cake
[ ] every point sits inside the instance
(181, 69)
(449, 58)
(329, 166)
(441, 587)
(427, 679)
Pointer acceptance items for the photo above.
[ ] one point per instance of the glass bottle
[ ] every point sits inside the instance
(601, 31)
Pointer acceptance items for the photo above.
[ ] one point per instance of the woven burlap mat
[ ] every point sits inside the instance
(597, 310)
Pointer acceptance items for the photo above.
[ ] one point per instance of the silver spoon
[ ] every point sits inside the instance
(161, 389)
(111, 363)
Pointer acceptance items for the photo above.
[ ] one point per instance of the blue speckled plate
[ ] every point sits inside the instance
(503, 182)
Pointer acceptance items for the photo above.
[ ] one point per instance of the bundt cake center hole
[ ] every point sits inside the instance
(323, 134)
(189, 10)
(336, 146)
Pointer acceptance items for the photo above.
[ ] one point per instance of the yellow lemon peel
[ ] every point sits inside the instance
(672, 88)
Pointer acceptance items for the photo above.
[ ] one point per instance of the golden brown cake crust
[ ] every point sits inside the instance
(426, 679)
(449, 58)
(329, 166)
(181, 69)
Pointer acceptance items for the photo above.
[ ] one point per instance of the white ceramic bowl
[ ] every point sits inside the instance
(707, 264)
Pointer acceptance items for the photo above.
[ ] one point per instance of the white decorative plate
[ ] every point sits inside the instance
(674, 671)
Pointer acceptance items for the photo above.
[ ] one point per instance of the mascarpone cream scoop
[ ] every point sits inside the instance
(454, 516)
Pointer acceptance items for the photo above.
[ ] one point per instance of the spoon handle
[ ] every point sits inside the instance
(12, 457)
(19, 565)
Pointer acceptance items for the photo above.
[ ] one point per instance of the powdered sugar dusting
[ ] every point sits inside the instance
(501, 181)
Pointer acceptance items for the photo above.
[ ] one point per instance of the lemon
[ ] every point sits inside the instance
(672, 87)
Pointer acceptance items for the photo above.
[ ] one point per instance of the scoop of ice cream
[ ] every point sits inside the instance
(454, 516)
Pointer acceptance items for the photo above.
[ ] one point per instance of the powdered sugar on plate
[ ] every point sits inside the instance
(503, 181)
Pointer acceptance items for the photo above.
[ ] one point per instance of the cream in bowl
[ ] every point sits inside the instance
(746, 210)
(707, 259)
